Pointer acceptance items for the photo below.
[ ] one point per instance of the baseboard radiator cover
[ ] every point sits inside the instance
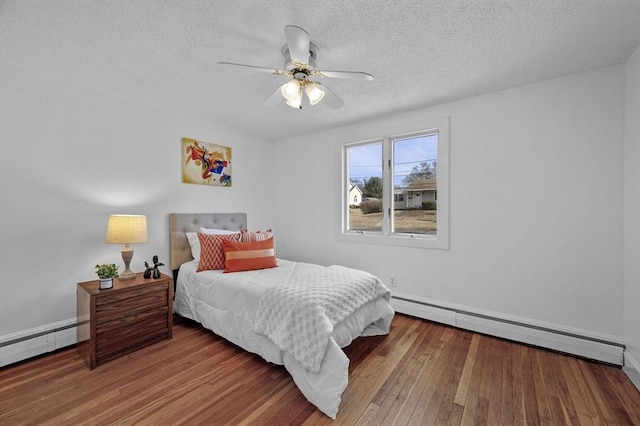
(26, 344)
(604, 348)
(632, 369)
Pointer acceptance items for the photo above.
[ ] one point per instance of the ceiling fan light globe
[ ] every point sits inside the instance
(291, 90)
(314, 93)
(297, 104)
(295, 101)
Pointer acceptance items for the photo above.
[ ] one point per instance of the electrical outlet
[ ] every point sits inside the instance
(392, 282)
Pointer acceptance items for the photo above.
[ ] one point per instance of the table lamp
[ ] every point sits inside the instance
(126, 229)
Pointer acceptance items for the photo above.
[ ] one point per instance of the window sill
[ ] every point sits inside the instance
(415, 241)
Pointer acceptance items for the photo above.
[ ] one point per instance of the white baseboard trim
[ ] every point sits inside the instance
(48, 338)
(600, 347)
(632, 369)
(36, 341)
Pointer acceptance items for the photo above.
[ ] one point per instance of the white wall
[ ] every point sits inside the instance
(536, 202)
(632, 215)
(70, 155)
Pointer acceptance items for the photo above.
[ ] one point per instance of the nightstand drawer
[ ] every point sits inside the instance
(133, 334)
(108, 298)
(118, 297)
(120, 308)
(130, 320)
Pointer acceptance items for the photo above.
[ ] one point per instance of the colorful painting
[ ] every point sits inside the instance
(205, 163)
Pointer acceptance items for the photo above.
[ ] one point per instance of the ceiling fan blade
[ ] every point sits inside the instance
(331, 99)
(259, 69)
(274, 99)
(298, 41)
(353, 75)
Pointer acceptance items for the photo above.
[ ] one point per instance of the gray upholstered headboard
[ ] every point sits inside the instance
(179, 223)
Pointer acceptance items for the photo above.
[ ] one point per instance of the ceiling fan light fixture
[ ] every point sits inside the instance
(291, 90)
(300, 64)
(314, 93)
(295, 102)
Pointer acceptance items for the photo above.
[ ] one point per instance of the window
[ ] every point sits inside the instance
(404, 181)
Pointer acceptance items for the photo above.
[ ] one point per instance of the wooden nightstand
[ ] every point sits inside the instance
(117, 321)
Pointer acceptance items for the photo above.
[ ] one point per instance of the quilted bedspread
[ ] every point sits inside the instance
(299, 316)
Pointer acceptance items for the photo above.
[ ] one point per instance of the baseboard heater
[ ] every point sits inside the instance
(37, 341)
(604, 348)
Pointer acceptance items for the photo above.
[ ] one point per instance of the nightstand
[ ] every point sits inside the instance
(117, 321)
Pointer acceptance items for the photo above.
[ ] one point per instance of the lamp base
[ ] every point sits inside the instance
(128, 274)
(127, 255)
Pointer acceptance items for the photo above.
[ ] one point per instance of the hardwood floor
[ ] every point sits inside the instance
(422, 373)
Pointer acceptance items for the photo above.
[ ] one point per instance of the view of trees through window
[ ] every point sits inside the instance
(408, 187)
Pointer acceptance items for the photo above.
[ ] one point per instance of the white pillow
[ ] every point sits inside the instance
(217, 231)
(194, 241)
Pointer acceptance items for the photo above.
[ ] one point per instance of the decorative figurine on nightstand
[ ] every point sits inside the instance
(148, 270)
(156, 271)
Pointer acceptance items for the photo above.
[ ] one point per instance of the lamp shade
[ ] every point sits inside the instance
(126, 229)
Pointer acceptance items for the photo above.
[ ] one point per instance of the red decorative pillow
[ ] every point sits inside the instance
(249, 256)
(252, 237)
(211, 252)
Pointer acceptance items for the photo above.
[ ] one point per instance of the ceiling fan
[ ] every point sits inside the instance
(300, 64)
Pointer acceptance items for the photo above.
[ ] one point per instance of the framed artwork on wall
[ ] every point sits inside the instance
(205, 163)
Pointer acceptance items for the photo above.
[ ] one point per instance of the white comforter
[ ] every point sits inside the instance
(227, 304)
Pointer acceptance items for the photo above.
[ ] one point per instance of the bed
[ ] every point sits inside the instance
(258, 310)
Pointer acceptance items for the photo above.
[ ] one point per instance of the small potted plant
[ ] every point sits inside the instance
(106, 273)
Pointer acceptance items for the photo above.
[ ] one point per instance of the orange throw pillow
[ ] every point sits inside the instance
(251, 237)
(249, 256)
(211, 252)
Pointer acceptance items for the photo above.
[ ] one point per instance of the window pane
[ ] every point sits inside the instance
(365, 187)
(415, 192)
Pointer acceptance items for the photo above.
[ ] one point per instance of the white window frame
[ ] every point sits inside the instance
(386, 237)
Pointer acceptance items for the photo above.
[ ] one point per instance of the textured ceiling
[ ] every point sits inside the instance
(421, 52)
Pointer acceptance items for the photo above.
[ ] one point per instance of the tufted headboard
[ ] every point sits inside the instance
(179, 223)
